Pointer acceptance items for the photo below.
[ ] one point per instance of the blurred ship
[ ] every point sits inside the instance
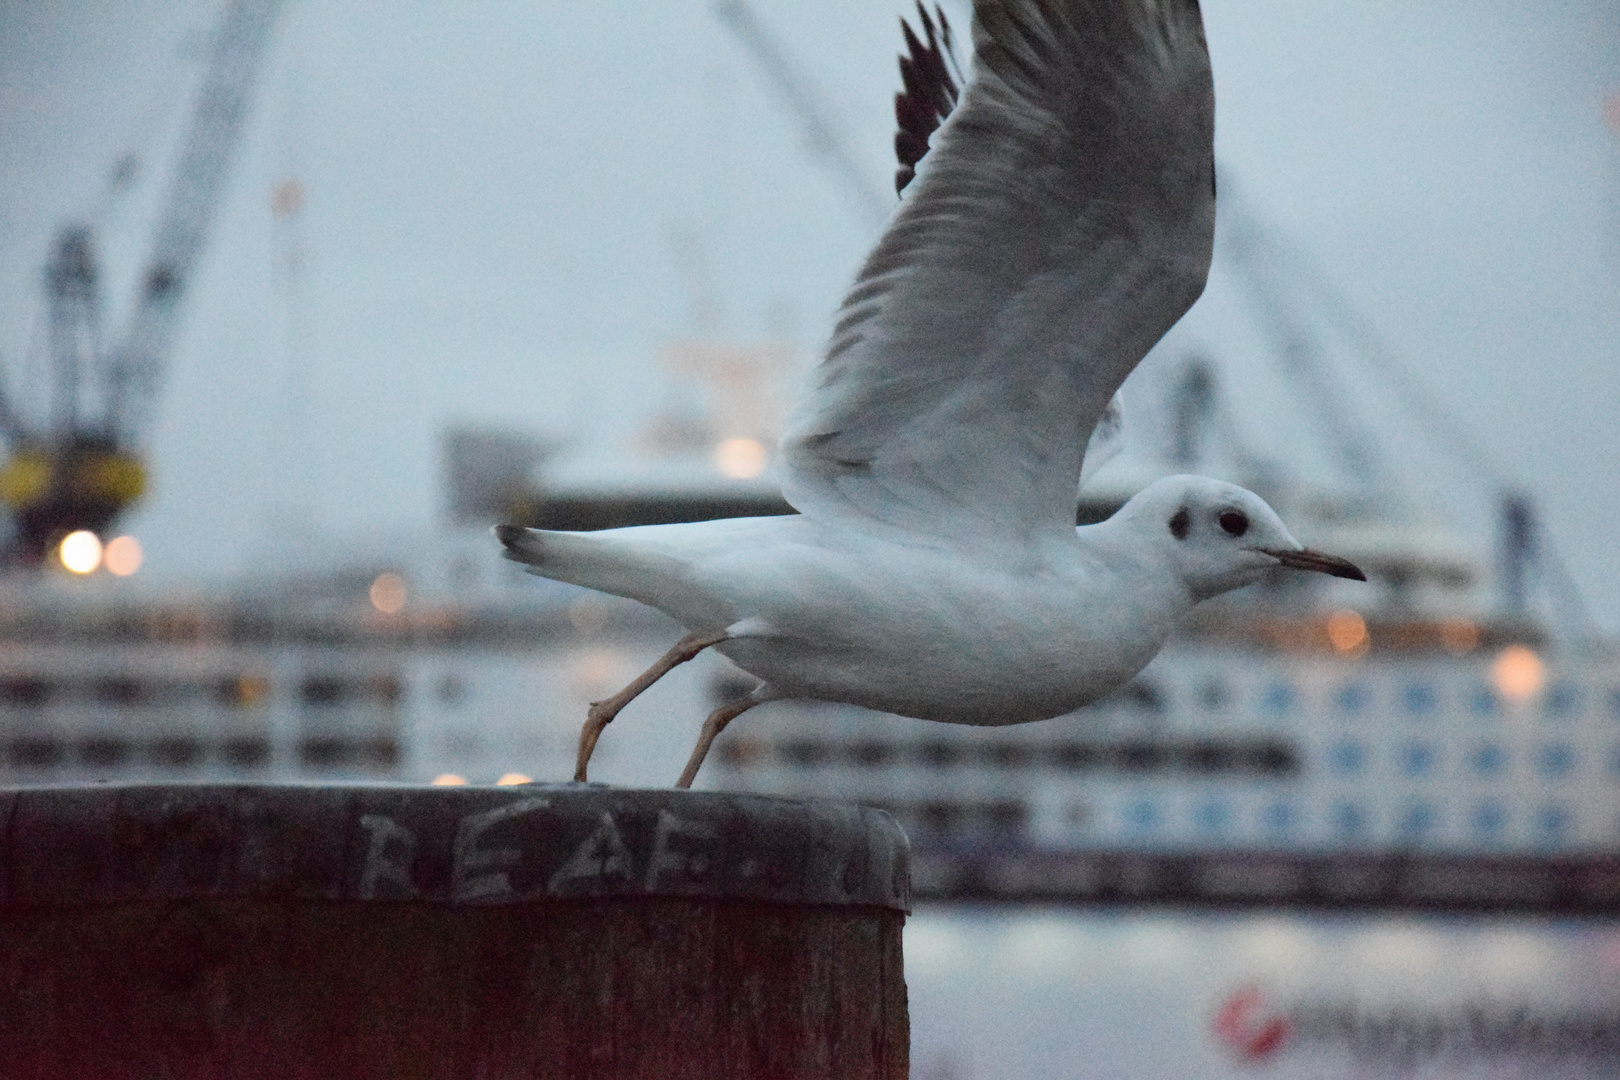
(1419, 740)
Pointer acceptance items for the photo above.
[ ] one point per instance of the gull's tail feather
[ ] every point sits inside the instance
(600, 561)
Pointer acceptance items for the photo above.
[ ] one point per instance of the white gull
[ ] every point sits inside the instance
(1061, 224)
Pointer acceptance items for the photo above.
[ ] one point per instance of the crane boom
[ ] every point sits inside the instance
(821, 137)
(135, 369)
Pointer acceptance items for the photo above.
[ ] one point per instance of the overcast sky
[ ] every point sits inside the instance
(493, 189)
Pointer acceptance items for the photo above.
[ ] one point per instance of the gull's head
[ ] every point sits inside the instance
(1219, 536)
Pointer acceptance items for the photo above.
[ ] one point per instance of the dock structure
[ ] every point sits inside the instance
(571, 931)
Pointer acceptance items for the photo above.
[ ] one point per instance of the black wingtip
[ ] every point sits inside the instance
(929, 92)
(508, 534)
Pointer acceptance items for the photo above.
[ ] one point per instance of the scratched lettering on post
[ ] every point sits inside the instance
(499, 849)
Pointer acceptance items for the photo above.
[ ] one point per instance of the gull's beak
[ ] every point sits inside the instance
(1306, 559)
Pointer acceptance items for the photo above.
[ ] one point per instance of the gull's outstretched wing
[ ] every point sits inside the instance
(1060, 225)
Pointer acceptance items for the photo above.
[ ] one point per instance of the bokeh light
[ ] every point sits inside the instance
(508, 779)
(1518, 673)
(388, 593)
(1348, 632)
(80, 551)
(123, 556)
(740, 459)
(449, 779)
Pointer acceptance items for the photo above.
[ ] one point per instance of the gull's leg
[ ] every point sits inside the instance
(714, 725)
(602, 712)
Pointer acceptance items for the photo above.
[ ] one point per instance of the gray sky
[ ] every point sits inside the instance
(493, 187)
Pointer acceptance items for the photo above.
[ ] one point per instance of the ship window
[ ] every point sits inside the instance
(1278, 817)
(1417, 759)
(1347, 758)
(249, 752)
(1552, 822)
(730, 686)
(29, 691)
(1139, 756)
(739, 751)
(1007, 755)
(940, 817)
(242, 691)
(1005, 816)
(452, 689)
(1420, 698)
(336, 751)
(1215, 695)
(1142, 814)
(1488, 818)
(323, 690)
(104, 750)
(1278, 699)
(1563, 699)
(940, 754)
(1075, 756)
(804, 752)
(1418, 820)
(1142, 696)
(1354, 698)
(36, 753)
(1210, 757)
(871, 754)
(1481, 702)
(1487, 759)
(1213, 815)
(121, 690)
(386, 688)
(1614, 703)
(1272, 757)
(1556, 759)
(1349, 819)
(176, 751)
(1077, 814)
(379, 752)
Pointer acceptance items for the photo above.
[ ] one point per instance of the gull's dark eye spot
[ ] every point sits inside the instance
(1180, 524)
(1235, 522)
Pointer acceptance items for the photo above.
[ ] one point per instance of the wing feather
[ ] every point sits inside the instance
(1060, 225)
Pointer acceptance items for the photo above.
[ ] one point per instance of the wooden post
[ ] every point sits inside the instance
(570, 931)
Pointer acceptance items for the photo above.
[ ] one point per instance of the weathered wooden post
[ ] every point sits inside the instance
(569, 931)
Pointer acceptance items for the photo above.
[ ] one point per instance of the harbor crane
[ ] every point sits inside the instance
(83, 463)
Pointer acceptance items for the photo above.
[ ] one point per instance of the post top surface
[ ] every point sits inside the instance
(109, 843)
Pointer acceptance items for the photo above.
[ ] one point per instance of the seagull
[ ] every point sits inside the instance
(1060, 221)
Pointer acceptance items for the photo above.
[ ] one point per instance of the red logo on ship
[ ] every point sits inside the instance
(1249, 1026)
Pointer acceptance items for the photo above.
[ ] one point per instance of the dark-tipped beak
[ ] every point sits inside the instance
(1306, 559)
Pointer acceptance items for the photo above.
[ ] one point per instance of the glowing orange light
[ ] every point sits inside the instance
(448, 779)
(1347, 631)
(740, 459)
(123, 556)
(80, 551)
(511, 778)
(1518, 673)
(388, 593)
